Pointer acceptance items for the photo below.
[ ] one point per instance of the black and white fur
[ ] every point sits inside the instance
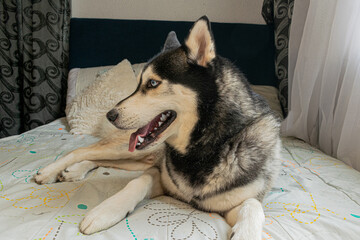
(220, 154)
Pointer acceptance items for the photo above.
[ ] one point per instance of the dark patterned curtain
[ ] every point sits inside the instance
(279, 13)
(33, 62)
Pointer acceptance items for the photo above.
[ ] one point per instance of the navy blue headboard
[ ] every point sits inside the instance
(101, 42)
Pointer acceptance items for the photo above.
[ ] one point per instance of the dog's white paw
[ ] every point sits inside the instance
(47, 175)
(247, 220)
(77, 171)
(103, 216)
(241, 232)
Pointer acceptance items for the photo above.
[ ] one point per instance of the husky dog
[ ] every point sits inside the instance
(197, 130)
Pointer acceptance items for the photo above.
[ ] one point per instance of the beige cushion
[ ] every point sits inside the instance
(80, 78)
(137, 68)
(96, 93)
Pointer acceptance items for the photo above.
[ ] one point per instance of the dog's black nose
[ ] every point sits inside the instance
(112, 115)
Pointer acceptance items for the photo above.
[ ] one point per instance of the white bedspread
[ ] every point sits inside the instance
(315, 197)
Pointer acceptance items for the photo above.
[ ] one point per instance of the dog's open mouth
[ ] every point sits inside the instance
(149, 133)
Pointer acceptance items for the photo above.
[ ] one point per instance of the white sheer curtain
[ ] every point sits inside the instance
(324, 77)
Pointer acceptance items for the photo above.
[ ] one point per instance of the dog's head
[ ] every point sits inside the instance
(165, 105)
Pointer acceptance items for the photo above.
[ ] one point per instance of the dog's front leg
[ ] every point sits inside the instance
(100, 150)
(106, 149)
(246, 220)
(78, 171)
(116, 208)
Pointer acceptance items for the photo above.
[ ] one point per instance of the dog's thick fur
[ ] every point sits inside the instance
(220, 152)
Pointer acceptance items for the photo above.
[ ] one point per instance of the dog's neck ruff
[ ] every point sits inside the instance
(216, 126)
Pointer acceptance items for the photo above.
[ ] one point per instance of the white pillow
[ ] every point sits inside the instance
(137, 68)
(95, 94)
(80, 78)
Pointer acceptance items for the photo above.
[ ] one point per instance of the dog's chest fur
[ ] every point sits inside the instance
(215, 184)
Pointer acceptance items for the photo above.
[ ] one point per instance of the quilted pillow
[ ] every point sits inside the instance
(93, 98)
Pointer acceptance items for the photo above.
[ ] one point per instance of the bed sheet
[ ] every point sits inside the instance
(314, 197)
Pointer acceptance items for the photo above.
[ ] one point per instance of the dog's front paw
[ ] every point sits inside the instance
(241, 232)
(101, 217)
(47, 175)
(77, 171)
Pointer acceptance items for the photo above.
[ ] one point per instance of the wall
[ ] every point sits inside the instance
(243, 11)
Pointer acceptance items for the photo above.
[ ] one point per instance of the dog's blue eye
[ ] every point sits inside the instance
(152, 83)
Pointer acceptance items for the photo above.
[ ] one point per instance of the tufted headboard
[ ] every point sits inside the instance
(101, 42)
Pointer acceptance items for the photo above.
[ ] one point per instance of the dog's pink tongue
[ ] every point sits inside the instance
(142, 132)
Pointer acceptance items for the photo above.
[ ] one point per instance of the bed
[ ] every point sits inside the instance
(314, 197)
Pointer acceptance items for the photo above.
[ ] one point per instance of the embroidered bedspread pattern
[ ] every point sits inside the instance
(315, 196)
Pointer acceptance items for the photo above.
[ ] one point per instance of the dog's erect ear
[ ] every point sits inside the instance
(200, 42)
(171, 42)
